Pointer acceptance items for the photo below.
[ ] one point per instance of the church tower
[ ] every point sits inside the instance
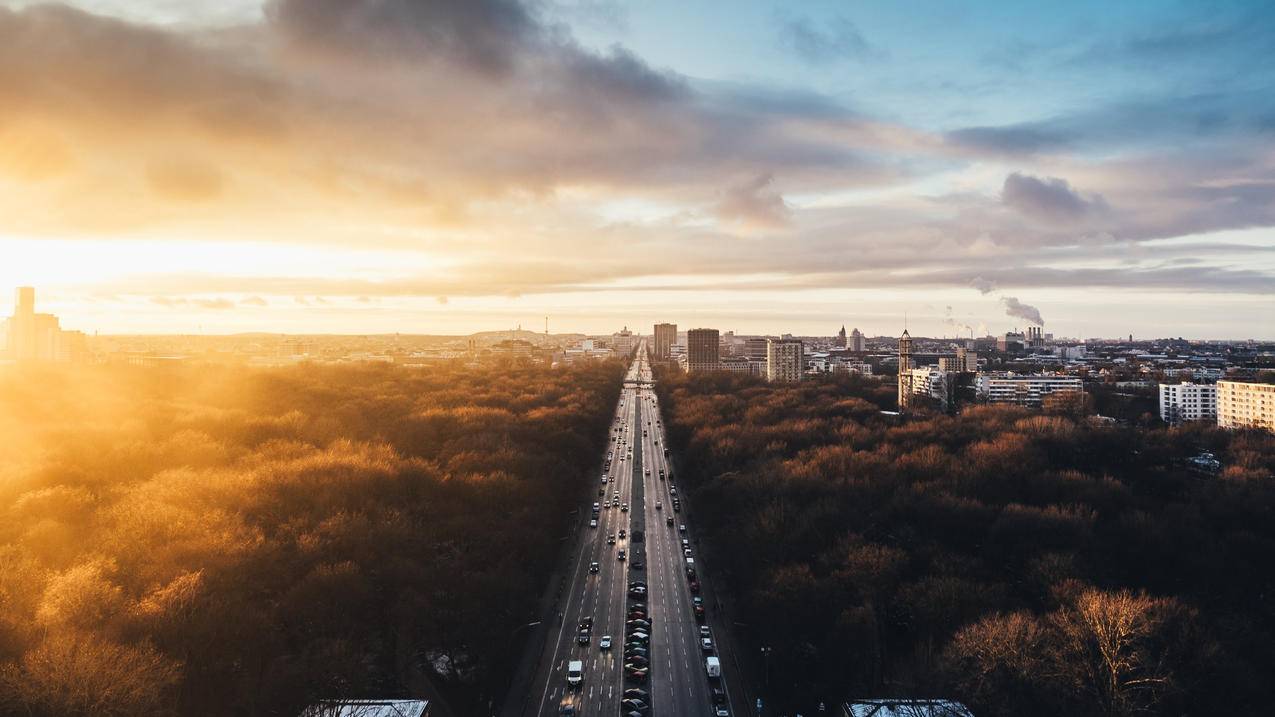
(905, 369)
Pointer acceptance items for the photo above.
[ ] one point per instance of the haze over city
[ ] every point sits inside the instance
(447, 167)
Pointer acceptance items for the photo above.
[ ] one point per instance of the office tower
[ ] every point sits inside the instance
(702, 350)
(665, 337)
(785, 360)
(841, 337)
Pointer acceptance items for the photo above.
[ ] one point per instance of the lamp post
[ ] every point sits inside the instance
(765, 654)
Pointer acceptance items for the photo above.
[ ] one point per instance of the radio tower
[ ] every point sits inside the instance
(546, 326)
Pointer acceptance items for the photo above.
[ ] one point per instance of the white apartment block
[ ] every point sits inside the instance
(1188, 402)
(1246, 405)
(1024, 390)
(785, 360)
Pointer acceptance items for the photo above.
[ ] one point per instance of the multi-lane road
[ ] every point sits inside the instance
(639, 477)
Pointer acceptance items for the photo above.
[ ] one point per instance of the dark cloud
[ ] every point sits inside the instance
(1010, 140)
(754, 204)
(833, 40)
(485, 35)
(1049, 199)
(1017, 309)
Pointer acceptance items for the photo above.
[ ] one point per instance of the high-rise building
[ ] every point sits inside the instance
(785, 360)
(1246, 405)
(665, 337)
(1188, 402)
(1011, 342)
(965, 361)
(855, 342)
(39, 337)
(702, 350)
(841, 337)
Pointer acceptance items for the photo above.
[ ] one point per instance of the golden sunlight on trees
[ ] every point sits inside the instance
(221, 541)
(1025, 563)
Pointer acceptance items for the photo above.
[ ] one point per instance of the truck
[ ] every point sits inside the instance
(713, 666)
(575, 673)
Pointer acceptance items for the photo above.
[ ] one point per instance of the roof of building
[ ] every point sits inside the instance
(367, 708)
(906, 708)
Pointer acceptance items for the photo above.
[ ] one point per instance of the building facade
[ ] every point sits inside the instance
(702, 350)
(904, 393)
(665, 338)
(1188, 402)
(1246, 405)
(855, 341)
(1025, 390)
(624, 342)
(785, 360)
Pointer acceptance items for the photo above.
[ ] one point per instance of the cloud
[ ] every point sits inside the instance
(1017, 309)
(754, 205)
(213, 303)
(253, 301)
(1010, 140)
(832, 40)
(1050, 199)
(185, 181)
(984, 286)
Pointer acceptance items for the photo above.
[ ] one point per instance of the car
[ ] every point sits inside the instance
(719, 696)
(686, 552)
(646, 471)
(637, 660)
(633, 672)
(583, 637)
(694, 586)
(616, 494)
(622, 533)
(635, 651)
(706, 644)
(639, 636)
(659, 505)
(634, 705)
(624, 507)
(611, 539)
(668, 520)
(704, 631)
(636, 593)
(686, 543)
(604, 643)
(636, 693)
(604, 480)
(619, 554)
(586, 622)
(639, 622)
(681, 528)
(593, 567)
(721, 711)
(593, 523)
(672, 490)
(601, 492)
(677, 507)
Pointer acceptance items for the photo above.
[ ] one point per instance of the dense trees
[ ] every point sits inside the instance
(1027, 563)
(230, 541)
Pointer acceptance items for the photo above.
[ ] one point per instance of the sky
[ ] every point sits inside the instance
(448, 166)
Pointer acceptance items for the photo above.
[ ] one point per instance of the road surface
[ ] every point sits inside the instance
(677, 683)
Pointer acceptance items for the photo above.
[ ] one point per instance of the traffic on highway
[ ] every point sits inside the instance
(633, 634)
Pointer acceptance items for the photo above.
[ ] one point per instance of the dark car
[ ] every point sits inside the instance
(636, 693)
(719, 696)
(669, 521)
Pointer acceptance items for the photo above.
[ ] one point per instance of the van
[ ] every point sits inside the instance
(575, 672)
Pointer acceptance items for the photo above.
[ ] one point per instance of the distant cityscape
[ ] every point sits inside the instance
(1231, 383)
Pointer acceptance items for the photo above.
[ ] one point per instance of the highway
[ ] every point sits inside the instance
(677, 683)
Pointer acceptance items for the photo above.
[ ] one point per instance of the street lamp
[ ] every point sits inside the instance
(765, 653)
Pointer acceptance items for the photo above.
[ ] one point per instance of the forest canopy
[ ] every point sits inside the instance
(236, 541)
(1025, 563)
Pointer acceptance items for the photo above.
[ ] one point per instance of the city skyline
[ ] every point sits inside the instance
(1108, 171)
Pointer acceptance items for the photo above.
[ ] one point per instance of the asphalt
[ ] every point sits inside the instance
(677, 683)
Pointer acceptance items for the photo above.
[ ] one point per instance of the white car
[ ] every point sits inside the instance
(706, 644)
(593, 523)
(604, 643)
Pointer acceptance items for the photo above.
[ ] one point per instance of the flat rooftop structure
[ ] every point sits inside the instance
(905, 708)
(367, 708)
